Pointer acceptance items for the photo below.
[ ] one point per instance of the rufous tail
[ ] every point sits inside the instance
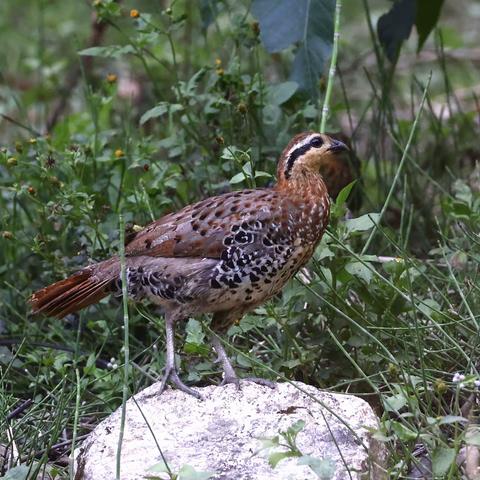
(82, 289)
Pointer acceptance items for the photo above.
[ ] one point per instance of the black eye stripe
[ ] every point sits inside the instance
(298, 152)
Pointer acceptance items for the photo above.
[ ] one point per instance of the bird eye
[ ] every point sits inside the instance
(316, 142)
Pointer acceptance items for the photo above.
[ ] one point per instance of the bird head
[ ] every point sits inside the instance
(305, 155)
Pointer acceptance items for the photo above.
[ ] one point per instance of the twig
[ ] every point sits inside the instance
(65, 443)
(333, 63)
(21, 125)
(20, 409)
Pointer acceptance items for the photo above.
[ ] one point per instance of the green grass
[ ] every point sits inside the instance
(390, 306)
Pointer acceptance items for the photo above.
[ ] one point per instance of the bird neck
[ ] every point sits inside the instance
(306, 184)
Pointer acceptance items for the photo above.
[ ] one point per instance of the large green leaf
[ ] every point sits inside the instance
(442, 459)
(308, 24)
(428, 12)
(111, 51)
(395, 26)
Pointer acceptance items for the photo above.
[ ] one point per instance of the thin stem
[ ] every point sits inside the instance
(333, 63)
(125, 343)
(75, 423)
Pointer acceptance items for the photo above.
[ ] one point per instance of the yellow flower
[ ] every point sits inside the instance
(134, 13)
(119, 153)
(32, 141)
(218, 62)
(111, 78)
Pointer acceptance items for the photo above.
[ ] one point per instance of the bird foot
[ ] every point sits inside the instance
(236, 381)
(172, 375)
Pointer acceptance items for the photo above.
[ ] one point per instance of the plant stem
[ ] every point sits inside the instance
(125, 343)
(333, 63)
(75, 422)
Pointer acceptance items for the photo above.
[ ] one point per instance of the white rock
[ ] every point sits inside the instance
(221, 434)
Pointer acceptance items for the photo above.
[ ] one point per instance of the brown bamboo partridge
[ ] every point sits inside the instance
(224, 255)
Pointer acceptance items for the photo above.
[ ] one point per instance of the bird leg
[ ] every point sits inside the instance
(170, 367)
(229, 375)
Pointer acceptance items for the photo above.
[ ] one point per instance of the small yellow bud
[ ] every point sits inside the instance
(55, 181)
(242, 108)
(32, 141)
(119, 153)
(134, 13)
(392, 370)
(12, 161)
(440, 386)
(111, 78)
(218, 62)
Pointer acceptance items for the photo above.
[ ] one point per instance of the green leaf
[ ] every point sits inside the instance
(428, 13)
(472, 436)
(17, 473)
(281, 92)
(324, 468)
(187, 472)
(403, 433)
(161, 109)
(360, 224)
(296, 428)
(395, 402)
(111, 51)
(160, 467)
(261, 173)
(395, 26)
(269, 442)
(344, 193)
(194, 332)
(448, 419)
(306, 23)
(239, 177)
(360, 270)
(271, 114)
(275, 457)
(442, 459)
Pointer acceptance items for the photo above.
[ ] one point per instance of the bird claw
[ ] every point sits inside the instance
(172, 375)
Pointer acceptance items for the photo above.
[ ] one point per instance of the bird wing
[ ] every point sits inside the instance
(200, 230)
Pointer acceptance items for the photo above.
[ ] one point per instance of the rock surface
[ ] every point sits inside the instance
(221, 434)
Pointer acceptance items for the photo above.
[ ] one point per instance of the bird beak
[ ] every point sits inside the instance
(337, 146)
